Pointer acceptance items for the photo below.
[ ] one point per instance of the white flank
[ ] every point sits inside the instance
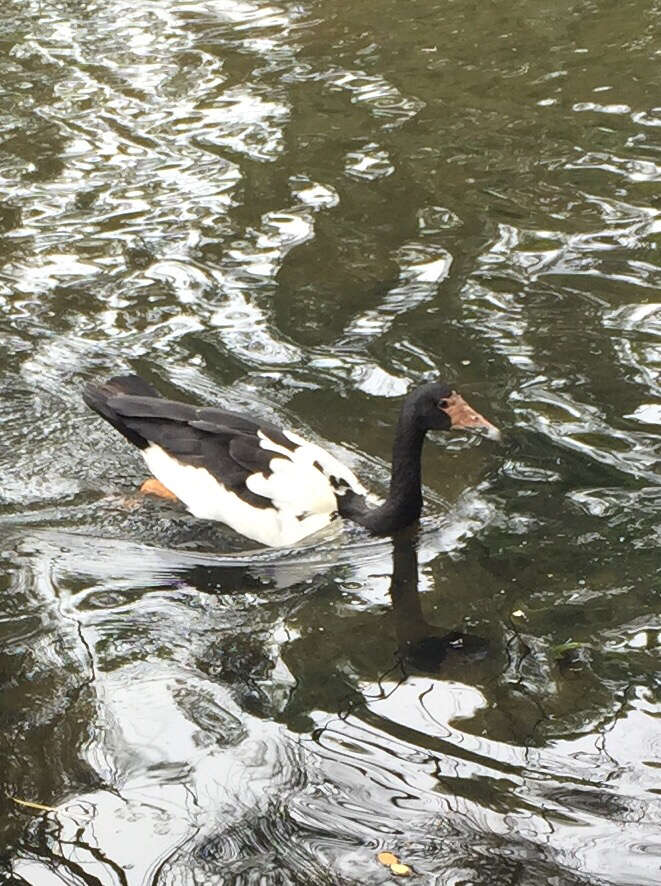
(299, 488)
(306, 454)
(295, 489)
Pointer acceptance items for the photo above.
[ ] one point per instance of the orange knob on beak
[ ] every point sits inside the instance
(464, 416)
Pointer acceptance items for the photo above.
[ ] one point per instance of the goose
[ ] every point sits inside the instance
(267, 483)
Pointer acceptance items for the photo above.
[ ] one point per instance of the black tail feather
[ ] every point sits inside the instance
(98, 398)
(132, 385)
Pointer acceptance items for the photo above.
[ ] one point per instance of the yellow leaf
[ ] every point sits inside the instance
(403, 870)
(387, 858)
(31, 805)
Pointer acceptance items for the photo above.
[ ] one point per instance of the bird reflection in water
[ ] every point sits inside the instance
(423, 647)
(324, 639)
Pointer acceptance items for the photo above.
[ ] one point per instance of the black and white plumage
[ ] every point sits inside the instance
(270, 484)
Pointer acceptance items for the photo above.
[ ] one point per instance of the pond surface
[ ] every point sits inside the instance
(303, 210)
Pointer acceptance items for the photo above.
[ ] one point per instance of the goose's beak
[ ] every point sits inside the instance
(465, 417)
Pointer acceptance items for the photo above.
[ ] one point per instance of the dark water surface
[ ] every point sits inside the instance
(304, 209)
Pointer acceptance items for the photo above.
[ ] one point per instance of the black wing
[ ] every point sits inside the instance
(225, 443)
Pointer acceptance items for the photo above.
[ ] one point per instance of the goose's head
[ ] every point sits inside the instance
(437, 406)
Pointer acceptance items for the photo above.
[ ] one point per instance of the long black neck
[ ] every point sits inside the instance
(404, 502)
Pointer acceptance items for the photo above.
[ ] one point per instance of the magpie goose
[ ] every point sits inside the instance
(267, 483)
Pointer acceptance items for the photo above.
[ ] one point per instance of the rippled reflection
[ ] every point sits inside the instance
(212, 744)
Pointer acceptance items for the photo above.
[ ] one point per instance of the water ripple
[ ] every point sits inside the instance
(382, 98)
(368, 163)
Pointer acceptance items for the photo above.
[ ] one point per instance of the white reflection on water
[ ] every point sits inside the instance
(369, 163)
(382, 98)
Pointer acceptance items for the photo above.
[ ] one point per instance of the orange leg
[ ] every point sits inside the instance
(152, 486)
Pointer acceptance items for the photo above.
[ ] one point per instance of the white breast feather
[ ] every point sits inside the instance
(208, 499)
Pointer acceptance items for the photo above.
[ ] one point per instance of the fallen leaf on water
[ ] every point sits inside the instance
(79, 816)
(31, 805)
(387, 858)
(403, 870)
